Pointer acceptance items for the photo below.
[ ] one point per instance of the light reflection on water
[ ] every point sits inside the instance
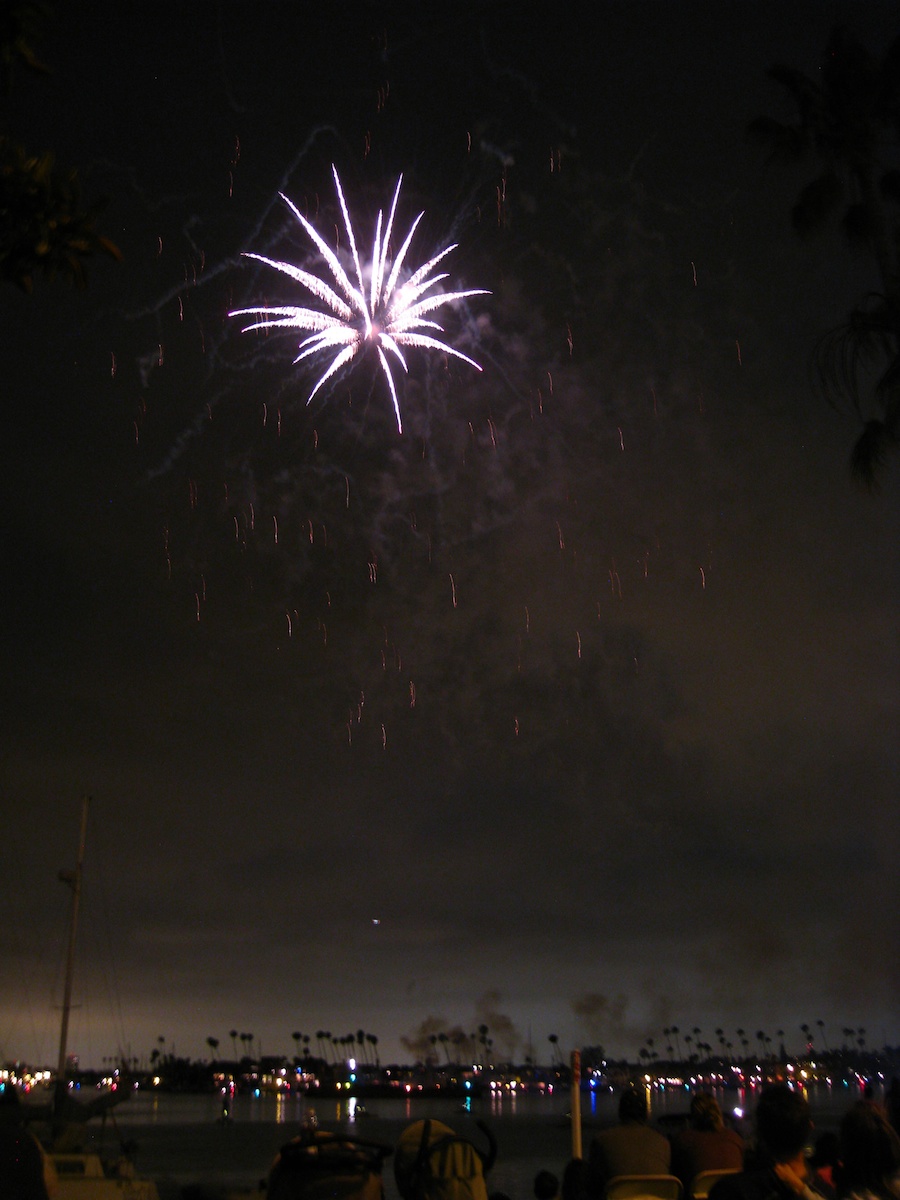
(597, 1107)
(183, 1139)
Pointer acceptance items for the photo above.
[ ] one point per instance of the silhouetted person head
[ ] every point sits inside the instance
(827, 1150)
(705, 1113)
(21, 1160)
(546, 1185)
(870, 1149)
(575, 1180)
(783, 1123)
(10, 1108)
(632, 1106)
(892, 1104)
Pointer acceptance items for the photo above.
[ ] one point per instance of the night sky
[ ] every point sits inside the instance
(571, 710)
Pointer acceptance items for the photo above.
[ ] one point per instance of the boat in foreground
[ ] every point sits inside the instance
(78, 1174)
(84, 1177)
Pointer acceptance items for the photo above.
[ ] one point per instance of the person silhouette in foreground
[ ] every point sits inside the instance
(776, 1169)
(707, 1144)
(575, 1180)
(869, 1167)
(546, 1186)
(21, 1160)
(629, 1148)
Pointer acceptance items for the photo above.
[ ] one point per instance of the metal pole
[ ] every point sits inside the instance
(73, 879)
(576, 1104)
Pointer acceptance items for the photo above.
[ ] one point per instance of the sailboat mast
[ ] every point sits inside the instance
(73, 879)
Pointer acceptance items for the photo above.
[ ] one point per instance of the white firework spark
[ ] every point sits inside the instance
(387, 314)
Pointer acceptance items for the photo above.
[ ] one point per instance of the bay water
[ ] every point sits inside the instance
(182, 1140)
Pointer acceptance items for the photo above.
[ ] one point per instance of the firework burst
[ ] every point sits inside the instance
(390, 313)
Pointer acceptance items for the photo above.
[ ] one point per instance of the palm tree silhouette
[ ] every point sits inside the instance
(675, 1031)
(846, 122)
(373, 1042)
(485, 1041)
(553, 1039)
(444, 1040)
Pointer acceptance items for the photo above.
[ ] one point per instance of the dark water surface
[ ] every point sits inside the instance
(182, 1140)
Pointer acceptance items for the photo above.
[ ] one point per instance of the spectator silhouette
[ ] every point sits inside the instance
(870, 1155)
(546, 1186)
(892, 1103)
(825, 1158)
(629, 1148)
(706, 1145)
(777, 1169)
(21, 1159)
(575, 1180)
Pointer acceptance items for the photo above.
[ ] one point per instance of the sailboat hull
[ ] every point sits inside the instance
(82, 1177)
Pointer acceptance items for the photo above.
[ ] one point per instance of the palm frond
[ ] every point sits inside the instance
(785, 143)
(817, 203)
